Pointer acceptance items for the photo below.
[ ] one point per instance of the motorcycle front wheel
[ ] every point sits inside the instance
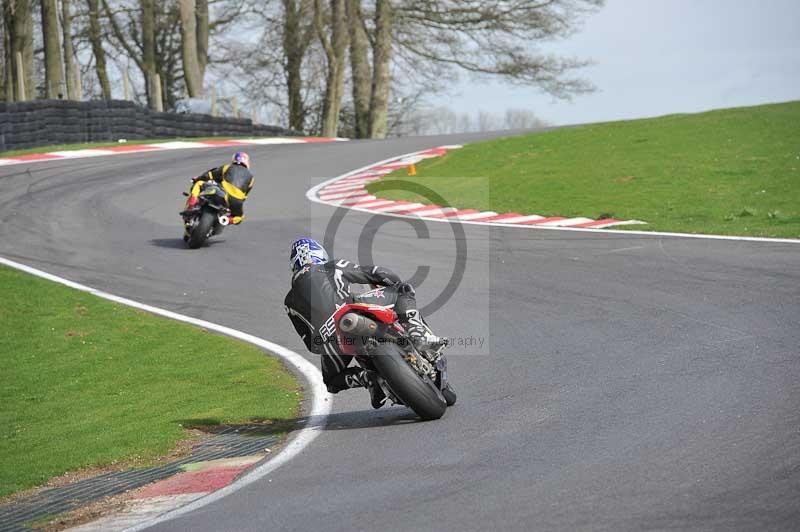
(416, 392)
(202, 229)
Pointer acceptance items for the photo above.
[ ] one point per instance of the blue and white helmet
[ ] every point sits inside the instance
(306, 251)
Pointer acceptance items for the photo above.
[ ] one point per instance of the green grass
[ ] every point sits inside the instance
(86, 382)
(87, 145)
(730, 171)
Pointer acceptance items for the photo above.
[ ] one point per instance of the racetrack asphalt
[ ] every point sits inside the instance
(626, 382)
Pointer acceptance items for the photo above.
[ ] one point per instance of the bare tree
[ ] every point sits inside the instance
(381, 70)
(96, 38)
(202, 30)
(196, 30)
(440, 121)
(406, 115)
(359, 67)
(521, 119)
(282, 72)
(18, 38)
(147, 63)
(297, 36)
(52, 50)
(190, 46)
(3, 61)
(488, 122)
(464, 123)
(69, 51)
(335, 49)
(496, 38)
(142, 49)
(149, 32)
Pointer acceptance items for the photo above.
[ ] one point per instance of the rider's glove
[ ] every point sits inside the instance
(406, 289)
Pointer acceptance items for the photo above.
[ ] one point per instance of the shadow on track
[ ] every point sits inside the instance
(362, 419)
(178, 243)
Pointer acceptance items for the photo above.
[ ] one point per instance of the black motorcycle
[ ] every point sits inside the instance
(208, 216)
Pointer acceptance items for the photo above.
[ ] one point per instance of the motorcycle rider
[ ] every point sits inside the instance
(234, 178)
(319, 287)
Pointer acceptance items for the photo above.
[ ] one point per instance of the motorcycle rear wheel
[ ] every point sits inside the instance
(449, 395)
(416, 392)
(202, 229)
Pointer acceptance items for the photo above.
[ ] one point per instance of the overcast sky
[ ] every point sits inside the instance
(655, 57)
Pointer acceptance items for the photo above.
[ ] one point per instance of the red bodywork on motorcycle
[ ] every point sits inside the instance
(377, 312)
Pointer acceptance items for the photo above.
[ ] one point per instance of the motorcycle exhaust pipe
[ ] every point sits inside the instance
(357, 325)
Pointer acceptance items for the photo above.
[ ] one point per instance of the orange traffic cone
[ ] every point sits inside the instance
(412, 169)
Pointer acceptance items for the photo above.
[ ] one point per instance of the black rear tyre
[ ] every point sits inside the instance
(202, 229)
(418, 393)
(449, 395)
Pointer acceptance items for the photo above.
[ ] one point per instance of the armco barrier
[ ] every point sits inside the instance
(48, 122)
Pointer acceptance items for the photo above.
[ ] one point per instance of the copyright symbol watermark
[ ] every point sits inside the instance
(370, 229)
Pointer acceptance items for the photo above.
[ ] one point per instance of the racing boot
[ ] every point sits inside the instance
(420, 334)
(362, 378)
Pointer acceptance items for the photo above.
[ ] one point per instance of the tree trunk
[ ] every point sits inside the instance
(359, 66)
(340, 39)
(202, 36)
(189, 46)
(26, 24)
(69, 52)
(53, 78)
(8, 91)
(293, 50)
(96, 38)
(381, 70)
(149, 52)
(18, 39)
(334, 53)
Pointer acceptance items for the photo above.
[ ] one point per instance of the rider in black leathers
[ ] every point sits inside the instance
(319, 288)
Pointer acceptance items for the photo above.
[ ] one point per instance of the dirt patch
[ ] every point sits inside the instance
(624, 179)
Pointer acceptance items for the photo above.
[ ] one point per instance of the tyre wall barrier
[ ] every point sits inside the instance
(50, 122)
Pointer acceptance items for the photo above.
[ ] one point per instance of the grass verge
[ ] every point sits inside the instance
(88, 382)
(729, 171)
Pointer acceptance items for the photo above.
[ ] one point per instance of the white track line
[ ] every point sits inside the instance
(320, 398)
(436, 210)
(179, 145)
(77, 154)
(272, 140)
(356, 201)
(566, 222)
(370, 204)
(142, 148)
(519, 219)
(344, 195)
(346, 186)
(475, 215)
(397, 207)
(311, 195)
